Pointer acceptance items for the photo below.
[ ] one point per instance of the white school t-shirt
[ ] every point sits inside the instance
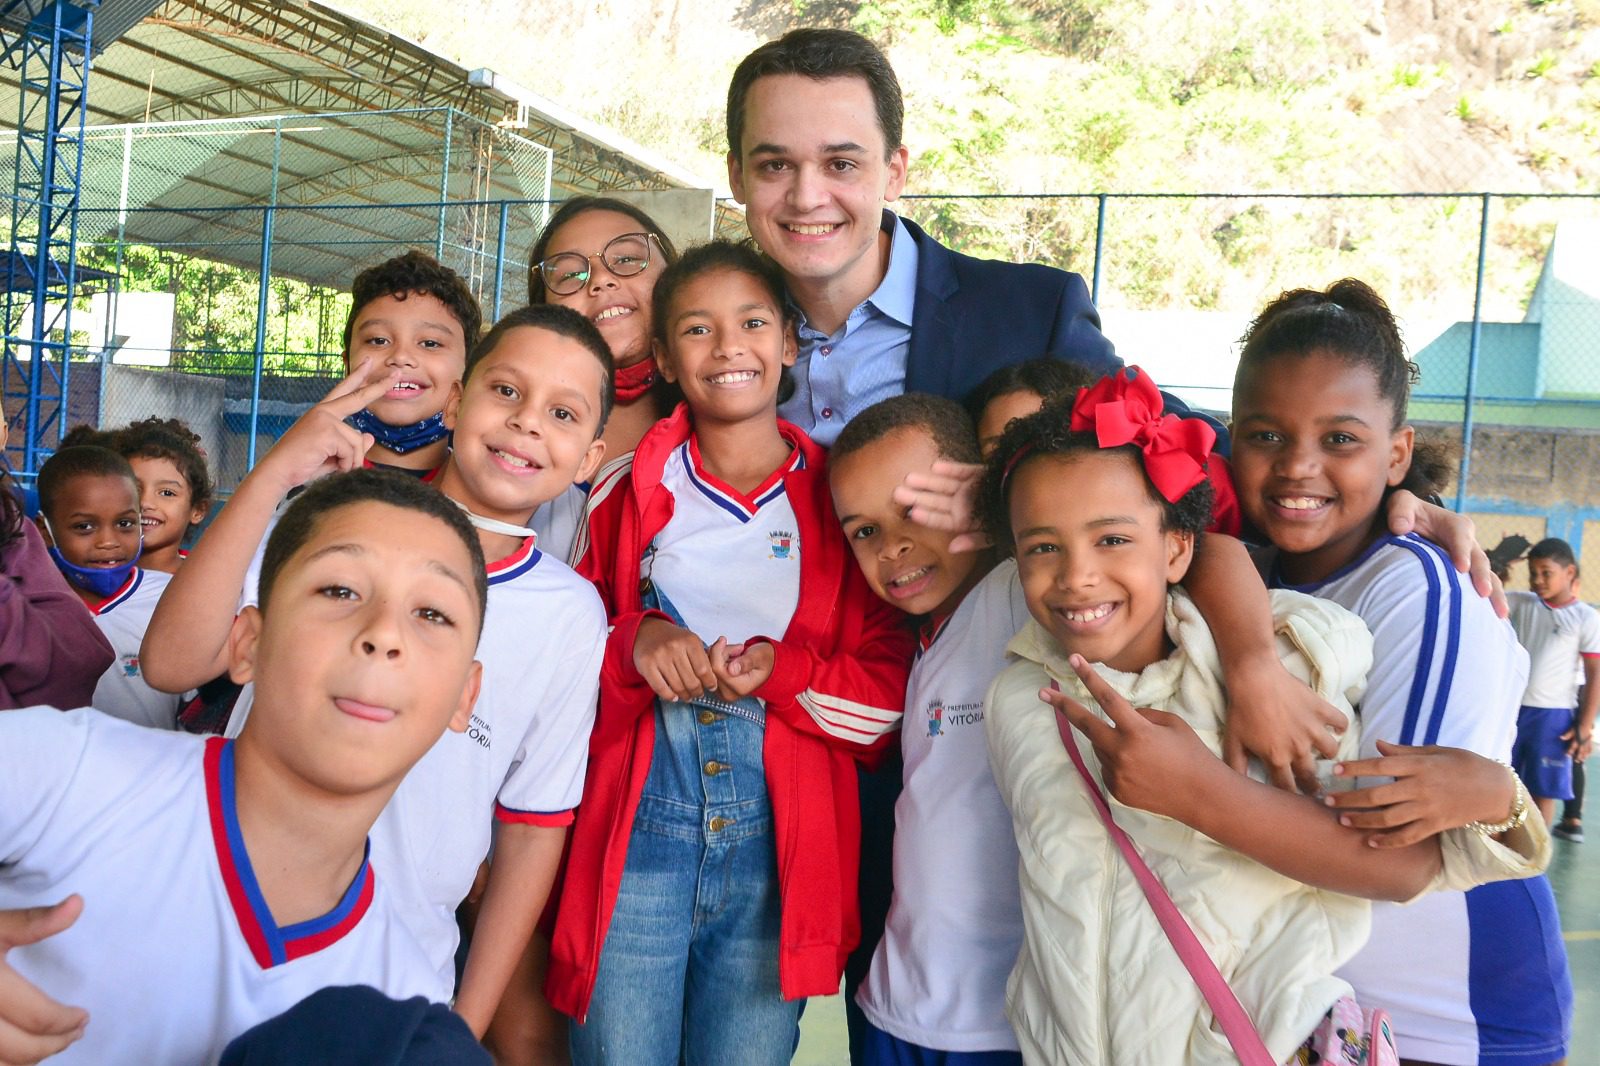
(729, 562)
(523, 757)
(175, 953)
(1446, 670)
(123, 617)
(938, 976)
(1556, 638)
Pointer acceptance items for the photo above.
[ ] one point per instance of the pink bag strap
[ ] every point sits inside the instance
(1236, 1024)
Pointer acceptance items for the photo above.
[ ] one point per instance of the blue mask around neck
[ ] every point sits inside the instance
(100, 580)
(400, 439)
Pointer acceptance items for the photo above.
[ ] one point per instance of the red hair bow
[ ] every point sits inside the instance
(1125, 408)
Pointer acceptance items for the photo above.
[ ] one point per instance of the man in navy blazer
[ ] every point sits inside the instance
(814, 132)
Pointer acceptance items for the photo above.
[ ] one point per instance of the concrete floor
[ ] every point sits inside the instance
(1575, 873)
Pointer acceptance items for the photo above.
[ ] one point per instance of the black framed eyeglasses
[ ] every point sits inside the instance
(625, 255)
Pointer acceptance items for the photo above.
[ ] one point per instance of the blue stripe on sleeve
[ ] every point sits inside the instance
(1430, 632)
(1452, 648)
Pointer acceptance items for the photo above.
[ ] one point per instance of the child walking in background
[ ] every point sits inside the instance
(712, 876)
(1266, 880)
(1558, 630)
(1320, 440)
(89, 514)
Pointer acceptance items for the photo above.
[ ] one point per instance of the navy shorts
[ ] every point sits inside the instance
(881, 1049)
(1539, 755)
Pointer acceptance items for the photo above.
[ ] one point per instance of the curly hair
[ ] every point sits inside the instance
(416, 272)
(170, 439)
(941, 419)
(1048, 434)
(1046, 377)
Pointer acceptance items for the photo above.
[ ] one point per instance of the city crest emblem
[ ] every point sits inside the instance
(782, 543)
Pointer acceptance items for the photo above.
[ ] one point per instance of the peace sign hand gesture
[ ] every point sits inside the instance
(320, 442)
(1149, 759)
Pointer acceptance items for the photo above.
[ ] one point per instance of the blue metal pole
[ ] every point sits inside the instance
(267, 215)
(1099, 248)
(1472, 355)
(500, 257)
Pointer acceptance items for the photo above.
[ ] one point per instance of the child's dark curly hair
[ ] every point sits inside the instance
(1049, 433)
(416, 272)
(170, 439)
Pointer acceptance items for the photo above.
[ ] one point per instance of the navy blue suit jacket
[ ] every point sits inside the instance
(974, 316)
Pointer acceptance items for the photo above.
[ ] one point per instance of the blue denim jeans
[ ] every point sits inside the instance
(689, 969)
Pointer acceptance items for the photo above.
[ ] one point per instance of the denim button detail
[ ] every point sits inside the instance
(708, 717)
(827, 349)
(827, 412)
(719, 823)
(713, 767)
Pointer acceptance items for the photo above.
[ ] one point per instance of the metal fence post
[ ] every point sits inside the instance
(1099, 248)
(1472, 356)
(500, 257)
(444, 183)
(267, 215)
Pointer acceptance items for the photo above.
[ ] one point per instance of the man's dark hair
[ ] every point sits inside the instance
(1554, 549)
(326, 495)
(415, 272)
(820, 54)
(941, 419)
(563, 322)
(80, 460)
(582, 205)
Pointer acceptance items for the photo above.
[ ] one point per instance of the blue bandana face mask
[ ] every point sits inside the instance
(100, 580)
(400, 439)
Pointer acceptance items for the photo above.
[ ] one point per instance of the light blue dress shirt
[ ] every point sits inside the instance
(840, 375)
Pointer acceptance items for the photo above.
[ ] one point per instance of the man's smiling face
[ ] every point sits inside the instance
(814, 175)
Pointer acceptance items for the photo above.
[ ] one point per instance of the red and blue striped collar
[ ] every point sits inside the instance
(742, 506)
(519, 562)
(929, 631)
(269, 945)
(121, 596)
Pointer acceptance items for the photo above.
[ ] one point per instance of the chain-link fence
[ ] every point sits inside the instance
(224, 315)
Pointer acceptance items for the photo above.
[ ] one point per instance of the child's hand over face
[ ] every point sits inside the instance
(1434, 789)
(1280, 721)
(672, 661)
(740, 668)
(944, 499)
(32, 1025)
(1149, 759)
(320, 442)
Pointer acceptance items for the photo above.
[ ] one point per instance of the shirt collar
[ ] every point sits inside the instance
(897, 292)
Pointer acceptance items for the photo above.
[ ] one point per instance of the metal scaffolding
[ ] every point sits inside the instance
(50, 54)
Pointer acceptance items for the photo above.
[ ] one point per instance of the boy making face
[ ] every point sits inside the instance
(247, 859)
(526, 422)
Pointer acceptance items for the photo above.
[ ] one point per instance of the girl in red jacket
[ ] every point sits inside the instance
(711, 885)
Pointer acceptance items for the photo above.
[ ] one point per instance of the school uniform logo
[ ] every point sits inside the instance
(782, 541)
(942, 719)
(130, 666)
(479, 733)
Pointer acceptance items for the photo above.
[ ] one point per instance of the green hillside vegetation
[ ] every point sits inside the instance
(1089, 96)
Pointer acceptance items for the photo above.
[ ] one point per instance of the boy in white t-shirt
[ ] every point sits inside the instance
(211, 884)
(526, 421)
(89, 516)
(1558, 630)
